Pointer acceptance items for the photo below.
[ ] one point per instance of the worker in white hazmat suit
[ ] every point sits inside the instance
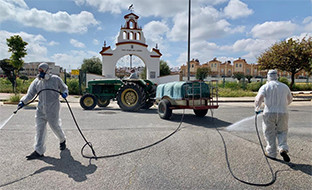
(276, 97)
(48, 108)
(133, 74)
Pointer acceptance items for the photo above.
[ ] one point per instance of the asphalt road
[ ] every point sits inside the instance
(192, 158)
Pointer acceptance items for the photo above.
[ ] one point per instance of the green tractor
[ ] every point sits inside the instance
(131, 94)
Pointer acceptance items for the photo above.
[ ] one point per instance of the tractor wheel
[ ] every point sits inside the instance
(103, 103)
(164, 110)
(130, 97)
(200, 113)
(149, 103)
(88, 101)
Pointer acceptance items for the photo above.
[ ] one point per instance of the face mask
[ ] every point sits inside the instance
(42, 74)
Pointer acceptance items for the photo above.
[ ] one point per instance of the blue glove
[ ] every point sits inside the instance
(20, 105)
(257, 112)
(64, 95)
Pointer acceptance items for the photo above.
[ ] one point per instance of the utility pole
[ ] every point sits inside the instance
(189, 42)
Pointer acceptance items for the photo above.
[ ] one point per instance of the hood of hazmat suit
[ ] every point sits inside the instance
(272, 75)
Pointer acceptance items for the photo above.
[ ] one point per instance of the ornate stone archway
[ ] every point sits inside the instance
(130, 41)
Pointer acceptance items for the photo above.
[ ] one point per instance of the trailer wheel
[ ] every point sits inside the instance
(103, 103)
(130, 97)
(200, 113)
(164, 110)
(88, 101)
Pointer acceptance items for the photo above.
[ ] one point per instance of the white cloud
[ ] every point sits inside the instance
(155, 33)
(201, 50)
(207, 23)
(253, 47)
(307, 19)
(162, 8)
(36, 51)
(6, 10)
(73, 59)
(205, 51)
(301, 36)
(308, 23)
(273, 30)
(76, 43)
(236, 9)
(53, 43)
(95, 42)
(56, 22)
(20, 3)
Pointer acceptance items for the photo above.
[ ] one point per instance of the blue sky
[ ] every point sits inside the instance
(68, 31)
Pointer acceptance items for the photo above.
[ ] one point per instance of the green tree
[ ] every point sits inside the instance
(143, 73)
(291, 56)
(8, 71)
(92, 65)
(202, 72)
(164, 68)
(308, 47)
(238, 76)
(18, 49)
(249, 77)
(23, 77)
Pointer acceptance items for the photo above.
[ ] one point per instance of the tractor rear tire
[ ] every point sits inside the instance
(104, 103)
(200, 113)
(130, 97)
(164, 110)
(88, 102)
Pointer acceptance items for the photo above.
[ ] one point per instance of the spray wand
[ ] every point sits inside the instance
(258, 112)
(18, 108)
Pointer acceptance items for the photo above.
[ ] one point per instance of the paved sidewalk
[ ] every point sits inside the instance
(298, 96)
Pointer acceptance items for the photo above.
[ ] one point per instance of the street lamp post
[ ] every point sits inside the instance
(189, 41)
(130, 61)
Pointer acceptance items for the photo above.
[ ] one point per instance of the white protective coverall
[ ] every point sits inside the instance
(276, 97)
(47, 109)
(133, 75)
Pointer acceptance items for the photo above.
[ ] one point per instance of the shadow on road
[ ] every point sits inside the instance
(207, 121)
(68, 165)
(305, 168)
(110, 110)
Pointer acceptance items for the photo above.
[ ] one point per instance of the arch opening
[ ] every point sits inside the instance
(125, 63)
(124, 35)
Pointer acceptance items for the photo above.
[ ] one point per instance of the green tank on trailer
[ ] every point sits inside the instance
(197, 95)
(131, 94)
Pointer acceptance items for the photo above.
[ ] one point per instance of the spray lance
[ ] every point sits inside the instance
(2, 124)
(258, 112)
(21, 105)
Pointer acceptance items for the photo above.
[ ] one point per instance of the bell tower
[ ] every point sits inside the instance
(131, 41)
(131, 32)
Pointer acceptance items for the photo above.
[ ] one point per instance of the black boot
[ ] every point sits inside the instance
(63, 145)
(285, 156)
(34, 155)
